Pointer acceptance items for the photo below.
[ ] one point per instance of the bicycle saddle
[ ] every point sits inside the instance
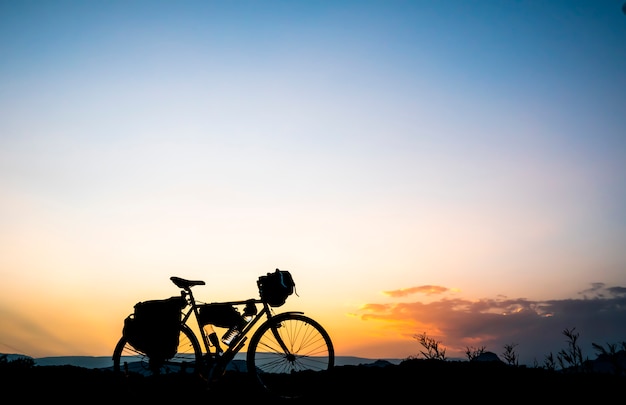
(182, 283)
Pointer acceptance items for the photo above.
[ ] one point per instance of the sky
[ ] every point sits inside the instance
(448, 168)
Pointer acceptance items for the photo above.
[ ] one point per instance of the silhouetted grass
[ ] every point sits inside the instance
(421, 379)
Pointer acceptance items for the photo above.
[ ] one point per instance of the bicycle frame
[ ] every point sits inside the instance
(239, 342)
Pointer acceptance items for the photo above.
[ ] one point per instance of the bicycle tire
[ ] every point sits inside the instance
(299, 372)
(188, 358)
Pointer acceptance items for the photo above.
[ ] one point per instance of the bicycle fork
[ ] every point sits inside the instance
(288, 355)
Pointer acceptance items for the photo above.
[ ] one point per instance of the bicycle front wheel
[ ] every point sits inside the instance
(188, 357)
(289, 354)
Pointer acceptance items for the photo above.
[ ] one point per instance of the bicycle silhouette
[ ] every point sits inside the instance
(283, 355)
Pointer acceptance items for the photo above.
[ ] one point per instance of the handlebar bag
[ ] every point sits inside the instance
(275, 287)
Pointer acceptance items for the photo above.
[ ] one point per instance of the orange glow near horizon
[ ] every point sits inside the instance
(372, 331)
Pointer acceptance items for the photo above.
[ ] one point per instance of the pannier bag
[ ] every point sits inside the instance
(220, 315)
(154, 327)
(275, 287)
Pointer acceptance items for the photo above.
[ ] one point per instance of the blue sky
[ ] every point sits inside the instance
(370, 147)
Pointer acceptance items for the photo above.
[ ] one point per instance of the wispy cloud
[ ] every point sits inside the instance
(423, 289)
(600, 290)
(534, 326)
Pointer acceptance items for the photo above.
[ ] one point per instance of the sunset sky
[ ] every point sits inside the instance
(455, 168)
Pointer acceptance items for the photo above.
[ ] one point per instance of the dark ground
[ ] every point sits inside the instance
(408, 382)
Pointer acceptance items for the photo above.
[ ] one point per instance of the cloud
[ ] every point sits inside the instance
(423, 289)
(600, 290)
(536, 327)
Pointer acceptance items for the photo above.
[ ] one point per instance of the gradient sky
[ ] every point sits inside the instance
(454, 168)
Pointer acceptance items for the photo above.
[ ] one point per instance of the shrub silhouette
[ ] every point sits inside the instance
(617, 358)
(17, 363)
(549, 362)
(571, 358)
(432, 346)
(511, 357)
(473, 352)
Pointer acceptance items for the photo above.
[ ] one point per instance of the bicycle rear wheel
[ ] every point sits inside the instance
(188, 357)
(289, 354)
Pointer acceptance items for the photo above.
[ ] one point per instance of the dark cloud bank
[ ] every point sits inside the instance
(535, 327)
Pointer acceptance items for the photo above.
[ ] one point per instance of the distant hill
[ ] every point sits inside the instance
(602, 364)
(96, 362)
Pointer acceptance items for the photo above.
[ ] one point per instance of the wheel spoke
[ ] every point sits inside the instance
(187, 359)
(285, 372)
